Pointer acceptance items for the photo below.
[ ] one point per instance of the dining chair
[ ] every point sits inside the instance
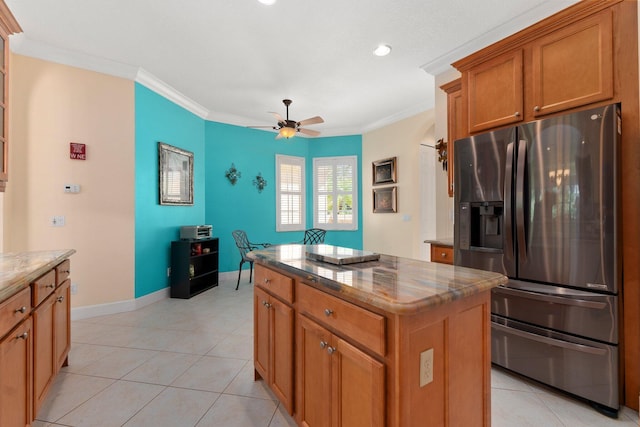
(313, 236)
(245, 246)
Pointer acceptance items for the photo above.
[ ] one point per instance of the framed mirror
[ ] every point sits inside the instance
(175, 175)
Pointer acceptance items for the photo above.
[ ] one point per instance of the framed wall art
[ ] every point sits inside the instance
(175, 175)
(385, 200)
(384, 171)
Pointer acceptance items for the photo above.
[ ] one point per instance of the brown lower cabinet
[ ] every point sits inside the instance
(43, 362)
(16, 372)
(338, 385)
(356, 365)
(273, 357)
(34, 344)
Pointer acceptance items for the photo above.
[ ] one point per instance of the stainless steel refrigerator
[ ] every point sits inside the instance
(539, 203)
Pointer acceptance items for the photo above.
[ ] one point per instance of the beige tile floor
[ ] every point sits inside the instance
(182, 363)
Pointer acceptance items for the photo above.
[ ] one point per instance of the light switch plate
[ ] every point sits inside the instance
(57, 221)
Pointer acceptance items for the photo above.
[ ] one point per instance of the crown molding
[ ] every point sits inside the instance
(518, 23)
(404, 114)
(153, 83)
(22, 45)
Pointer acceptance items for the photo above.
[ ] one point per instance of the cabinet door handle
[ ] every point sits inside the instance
(517, 114)
(443, 254)
(51, 286)
(60, 299)
(266, 304)
(323, 344)
(65, 271)
(23, 336)
(266, 281)
(22, 309)
(536, 108)
(331, 350)
(328, 312)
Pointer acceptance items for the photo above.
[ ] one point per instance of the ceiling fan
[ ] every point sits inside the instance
(288, 128)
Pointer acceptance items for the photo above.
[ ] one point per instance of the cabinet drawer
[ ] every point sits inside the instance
(347, 319)
(442, 254)
(43, 286)
(62, 271)
(275, 283)
(14, 310)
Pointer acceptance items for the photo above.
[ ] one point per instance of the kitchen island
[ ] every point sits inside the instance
(34, 329)
(390, 342)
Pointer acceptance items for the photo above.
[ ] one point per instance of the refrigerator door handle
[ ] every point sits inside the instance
(549, 341)
(520, 170)
(508, 218)
(553, 298)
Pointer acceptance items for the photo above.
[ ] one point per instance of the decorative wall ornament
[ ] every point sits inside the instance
(441, 148)
(260, 182)
(385, 200)
(384, 171)
(233, 174)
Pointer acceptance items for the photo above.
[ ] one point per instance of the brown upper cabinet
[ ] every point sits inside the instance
(569, 67)
(495, 92)
(456, 126)
(8, 26)
(573, 66)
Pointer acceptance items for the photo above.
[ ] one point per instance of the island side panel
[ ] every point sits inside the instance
(458, 391)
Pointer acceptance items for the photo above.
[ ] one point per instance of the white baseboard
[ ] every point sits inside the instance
(89, 311)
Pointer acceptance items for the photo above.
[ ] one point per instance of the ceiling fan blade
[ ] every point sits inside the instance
(311, 121)
(309, 132)
(262, 127)
(278, 117)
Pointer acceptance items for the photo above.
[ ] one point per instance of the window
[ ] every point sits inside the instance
(290, 193)
(335, 193)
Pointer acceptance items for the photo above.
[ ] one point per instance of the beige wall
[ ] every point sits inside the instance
(444, 202)
(400, 233)
(52, 105)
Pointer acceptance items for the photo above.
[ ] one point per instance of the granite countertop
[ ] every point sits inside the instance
(394, 284)
(444, 241)
(19, 269)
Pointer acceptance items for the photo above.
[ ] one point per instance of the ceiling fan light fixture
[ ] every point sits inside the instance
(382, 50)
(267, 2)
(287, 132)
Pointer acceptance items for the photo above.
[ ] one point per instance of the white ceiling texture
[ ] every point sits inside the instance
(235, 60)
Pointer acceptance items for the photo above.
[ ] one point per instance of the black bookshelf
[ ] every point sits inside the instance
(194, 266)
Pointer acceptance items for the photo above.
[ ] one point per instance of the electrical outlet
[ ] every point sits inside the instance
(426, 367)
(168, 271)
(74, 288)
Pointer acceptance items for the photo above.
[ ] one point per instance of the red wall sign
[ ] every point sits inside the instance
(77, 151)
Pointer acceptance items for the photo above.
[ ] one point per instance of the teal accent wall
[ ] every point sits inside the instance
(160, 120)
(241, 206)
(227, 207)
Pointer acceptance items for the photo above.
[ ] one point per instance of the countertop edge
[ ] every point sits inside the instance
(25, 280)
(365, 298)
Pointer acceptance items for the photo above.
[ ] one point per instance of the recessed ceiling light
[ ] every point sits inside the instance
(382, 50)
(267, 2)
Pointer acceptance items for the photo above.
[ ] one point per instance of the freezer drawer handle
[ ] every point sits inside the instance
(552, 298)
(550, 341)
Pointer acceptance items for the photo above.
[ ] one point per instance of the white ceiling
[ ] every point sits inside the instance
(235, 60)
